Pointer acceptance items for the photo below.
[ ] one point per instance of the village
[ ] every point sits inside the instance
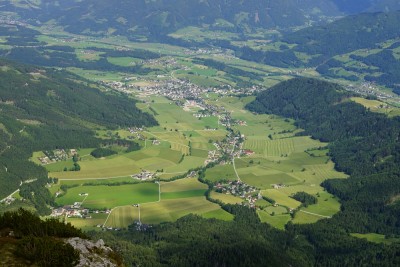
(240, 189)
(51, 156)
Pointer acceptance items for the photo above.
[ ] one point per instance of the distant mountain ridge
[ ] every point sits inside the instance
(160, 17)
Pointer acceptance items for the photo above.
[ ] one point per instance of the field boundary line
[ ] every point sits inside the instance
(234, 168)
(101, 178)
(315, 214)
(104, 224)
(84, 199)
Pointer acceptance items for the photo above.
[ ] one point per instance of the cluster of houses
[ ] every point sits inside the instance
(278, 186)
(213, 156)
(166, 62)
(8, 200)
(239, 189)
(144, 175)
(56, 155)
(137, 133)
(369, 88)
(173, 89)
(71, 211)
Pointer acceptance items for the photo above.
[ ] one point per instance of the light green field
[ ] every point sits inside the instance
(183, 194)
(166, 210)
(305, 218)
(123, 61)
(281, 198)
(187, 163)
(280, 147)
(376, 238)
(171, 210)
(227, 199)
(327, 205)
(110, 196)
(278, 210)
(278, 221)
(122, 217)
(221, 172)
(152, 159)
(60, 165)
(89, 223)
(99, 181)
(377, 106)
(186, 184)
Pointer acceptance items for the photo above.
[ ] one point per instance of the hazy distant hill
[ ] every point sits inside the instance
(160, 17)
(357, 6)
(358, 46)
(157, 18)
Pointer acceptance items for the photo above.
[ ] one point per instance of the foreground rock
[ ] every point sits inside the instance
(94, 254)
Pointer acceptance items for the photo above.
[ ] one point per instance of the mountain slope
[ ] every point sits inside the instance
(43, 109)
(356, 47)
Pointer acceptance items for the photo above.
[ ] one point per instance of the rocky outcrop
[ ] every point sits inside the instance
(92, 254)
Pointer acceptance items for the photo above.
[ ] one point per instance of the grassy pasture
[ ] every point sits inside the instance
(280, 147)
(305, 218)
(152, 159)
(199, 153)
(187, 163)
(281, 198)
(327, 205)
(89, 223)
(376, 238)
(185, 184)
(103, 196)
(172, 209)
(183, 194)
(60, 165)
(227, 199)
(166, 210)
(109, 167)
(276, 210)
(278, 221)
(123, 61)
(377, 106)
(100, 181)
(122, 217)
(221, 172)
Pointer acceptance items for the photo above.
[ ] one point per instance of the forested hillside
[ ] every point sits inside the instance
(43, 109)
(363, 144)
(158, 18)
(355, 47)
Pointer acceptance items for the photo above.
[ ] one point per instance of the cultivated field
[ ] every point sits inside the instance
(103, 196)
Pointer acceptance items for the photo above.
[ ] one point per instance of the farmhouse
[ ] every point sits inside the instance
(248, 152)
(144, 175)
(156, 142)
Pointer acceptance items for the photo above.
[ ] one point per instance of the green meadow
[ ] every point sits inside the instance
(104, 196)
(376, 238)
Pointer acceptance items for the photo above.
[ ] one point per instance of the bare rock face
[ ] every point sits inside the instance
(92, 254)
